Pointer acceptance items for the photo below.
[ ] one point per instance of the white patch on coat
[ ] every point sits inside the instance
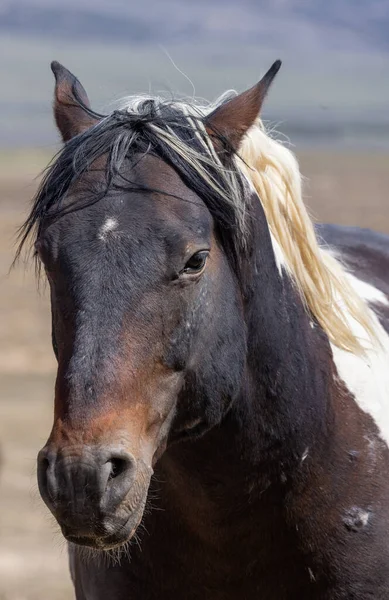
(278, 255)
(356, 518)
(373, 448)
(368, 292)
(311, 575)
(109, 225)
(367, 377)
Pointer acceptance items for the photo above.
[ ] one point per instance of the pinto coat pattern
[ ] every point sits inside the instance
(221, 405)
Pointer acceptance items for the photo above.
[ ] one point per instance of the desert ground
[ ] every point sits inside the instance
(347, 188)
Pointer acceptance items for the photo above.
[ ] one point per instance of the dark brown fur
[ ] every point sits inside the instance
(268, 480)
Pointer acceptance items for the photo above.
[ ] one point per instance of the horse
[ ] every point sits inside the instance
(221, 405)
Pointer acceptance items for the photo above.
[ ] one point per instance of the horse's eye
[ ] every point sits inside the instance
(196, 263)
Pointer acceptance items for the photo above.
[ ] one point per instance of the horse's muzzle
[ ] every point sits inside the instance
(95, 494)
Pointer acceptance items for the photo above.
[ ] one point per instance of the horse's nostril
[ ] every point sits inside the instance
(118, 466)
(43, 469)
(97, 479)
(44, 465)
(46, 479)
(120, 473)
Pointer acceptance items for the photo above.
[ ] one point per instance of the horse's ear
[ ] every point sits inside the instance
(71, 104)
(231, 120)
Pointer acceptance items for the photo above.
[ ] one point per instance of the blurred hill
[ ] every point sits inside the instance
(361, 23)
(333, 89)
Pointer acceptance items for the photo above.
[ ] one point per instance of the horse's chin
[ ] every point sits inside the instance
(116, 538)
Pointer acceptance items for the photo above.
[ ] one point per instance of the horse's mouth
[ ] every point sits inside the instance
(115, 539)
(104, 543)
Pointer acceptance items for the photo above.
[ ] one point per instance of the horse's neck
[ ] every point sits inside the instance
(229, 487)
(291, 372)
(289, 364)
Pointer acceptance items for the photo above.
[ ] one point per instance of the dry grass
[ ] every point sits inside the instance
(348, 189)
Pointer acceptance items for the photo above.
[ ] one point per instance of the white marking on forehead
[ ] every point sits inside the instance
(364, 517)
(367, 377)
(110, 224)
(305, 454)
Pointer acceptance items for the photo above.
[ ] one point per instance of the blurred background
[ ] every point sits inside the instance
(330, 100)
